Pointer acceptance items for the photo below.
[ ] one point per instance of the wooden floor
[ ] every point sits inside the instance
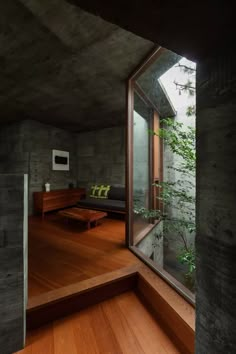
(121, 324)
(62, 253)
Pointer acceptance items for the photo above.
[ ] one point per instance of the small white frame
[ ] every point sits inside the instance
(60, 166)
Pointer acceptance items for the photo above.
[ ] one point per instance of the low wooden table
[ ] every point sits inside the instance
(85, 215)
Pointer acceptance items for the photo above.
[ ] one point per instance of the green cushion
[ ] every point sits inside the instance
(99, 191)
(94, 191)
(103, 192)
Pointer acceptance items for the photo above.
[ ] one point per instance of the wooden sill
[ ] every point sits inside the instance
(169, 279)
(144, 233)
(174, 313)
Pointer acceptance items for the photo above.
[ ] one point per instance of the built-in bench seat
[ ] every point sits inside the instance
(114, 203)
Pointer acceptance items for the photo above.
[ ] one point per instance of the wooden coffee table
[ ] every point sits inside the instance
(86, 215)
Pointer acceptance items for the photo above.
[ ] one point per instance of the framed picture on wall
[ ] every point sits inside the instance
(60, 160)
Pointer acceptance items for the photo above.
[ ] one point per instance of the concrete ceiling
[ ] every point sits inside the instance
(148, 82)
(63, 66)
(191, 28)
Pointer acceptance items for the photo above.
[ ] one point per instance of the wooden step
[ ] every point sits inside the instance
(121, 324)
(171, 311)
(64, 301)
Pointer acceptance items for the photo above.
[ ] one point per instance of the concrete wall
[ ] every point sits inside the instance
(13, 261)
(13, 157)
(95, 157)
(140, 157)
(101, 157)
(27, 148)
(140, 168)
(153, 244)
(39, 141)
(172, 161)
(216, 211)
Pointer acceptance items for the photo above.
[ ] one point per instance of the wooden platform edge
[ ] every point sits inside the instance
(173, 312)
(176, 316)
(64, 301)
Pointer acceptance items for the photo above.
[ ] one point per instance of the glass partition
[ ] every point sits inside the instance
(162, 167)
(142, 115)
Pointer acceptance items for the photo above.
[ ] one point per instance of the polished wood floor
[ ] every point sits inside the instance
(63, 253)
(121, 324)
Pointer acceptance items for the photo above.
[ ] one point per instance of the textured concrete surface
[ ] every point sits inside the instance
(172, 162)
(26, 147)
(43, 77)
(40, 146)
(95, 157)
(189, 29)
(13, 261)
(63, 66)
(141, 157)
(216, 212)
(149, 83)
(152, 244)
(101, 157)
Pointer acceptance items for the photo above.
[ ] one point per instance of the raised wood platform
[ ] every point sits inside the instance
(87, 316)
(119, 325)
(172, 329)
(61, 254)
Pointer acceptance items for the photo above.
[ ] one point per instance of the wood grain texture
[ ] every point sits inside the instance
(56, 199)
(62, 253)
(170, 309)
(62, 302)
(119, 325)
(86, 215)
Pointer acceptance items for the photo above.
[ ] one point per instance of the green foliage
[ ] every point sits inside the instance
(191, 110)
(178, 190)
(181, 142)
(178, 195)
(188, 257)
(147, 213)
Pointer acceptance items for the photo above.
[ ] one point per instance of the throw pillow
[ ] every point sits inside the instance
(94, 191)
(103, 192)
(99, 191)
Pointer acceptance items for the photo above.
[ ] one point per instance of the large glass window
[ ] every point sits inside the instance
(162, 166)
(142, 116)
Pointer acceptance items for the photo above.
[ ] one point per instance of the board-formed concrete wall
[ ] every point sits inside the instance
(216, 210)
(101, 157)
(39, 141)
(152, 244)
(26, 147)
(13, 261)
(172, 161)
(95, 157)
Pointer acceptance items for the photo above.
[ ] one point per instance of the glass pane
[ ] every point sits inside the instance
(141, 176)
(164, 156)
(179, 173)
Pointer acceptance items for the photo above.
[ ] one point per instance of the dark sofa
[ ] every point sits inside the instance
(114, 203)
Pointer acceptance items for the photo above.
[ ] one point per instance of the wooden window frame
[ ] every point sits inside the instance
(133, 86)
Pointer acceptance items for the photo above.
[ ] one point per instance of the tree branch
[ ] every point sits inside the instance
(184, 86)
(186, 68)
